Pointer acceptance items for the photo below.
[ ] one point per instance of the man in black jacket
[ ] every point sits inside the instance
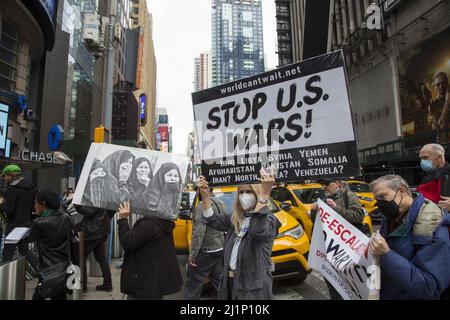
(95, 224)
(150, 266)
(51, 232)
(18, 206)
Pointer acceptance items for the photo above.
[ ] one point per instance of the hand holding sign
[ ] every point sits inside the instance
(124, 210)
(378, 245)
(267, 181)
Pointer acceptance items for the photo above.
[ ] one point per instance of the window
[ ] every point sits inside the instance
(247, 32)
(248, 48)
(9, 48)
(249, 65)
(247, 16)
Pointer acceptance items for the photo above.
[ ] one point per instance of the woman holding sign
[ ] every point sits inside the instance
(251, 232)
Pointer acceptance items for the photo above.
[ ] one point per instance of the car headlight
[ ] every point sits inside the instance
(296, 232)
(366, 199)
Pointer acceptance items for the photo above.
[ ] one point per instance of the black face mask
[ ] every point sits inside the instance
(389, 209)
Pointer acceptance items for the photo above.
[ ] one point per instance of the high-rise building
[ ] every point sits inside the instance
(202, 72)
(290, 19)
(237, 40)
(145, 73)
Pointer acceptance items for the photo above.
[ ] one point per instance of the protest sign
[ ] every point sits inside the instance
(296, 118)
(151, 181)
(341, 253)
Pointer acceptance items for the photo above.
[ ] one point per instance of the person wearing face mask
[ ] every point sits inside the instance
(413, 243)
(206, 252)
(51, 233)
(94, 192)
(346, 203)
(435, 184)
(162, 197)
(251, 232)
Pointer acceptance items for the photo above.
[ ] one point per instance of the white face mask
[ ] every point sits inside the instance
(247, 201)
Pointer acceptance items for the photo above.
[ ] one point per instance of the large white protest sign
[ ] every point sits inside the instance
(151, 181)
(296, 118)
(341, 253)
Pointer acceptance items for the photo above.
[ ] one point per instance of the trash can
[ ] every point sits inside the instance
(12, 279)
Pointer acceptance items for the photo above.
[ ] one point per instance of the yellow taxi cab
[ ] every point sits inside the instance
(291, 246)
(183, 225)
(362, 190)
(300, 197)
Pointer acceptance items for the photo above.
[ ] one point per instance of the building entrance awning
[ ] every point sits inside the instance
(59, 160)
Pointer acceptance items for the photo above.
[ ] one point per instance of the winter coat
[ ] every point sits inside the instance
(95, 223)
(252, 278)
(52, 236)
(19, 203)
(150, 266)
(418, 263)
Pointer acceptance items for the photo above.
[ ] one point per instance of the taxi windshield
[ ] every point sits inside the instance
(359, 187)
(309, 196)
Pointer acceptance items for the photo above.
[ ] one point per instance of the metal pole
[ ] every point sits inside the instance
(107, 109)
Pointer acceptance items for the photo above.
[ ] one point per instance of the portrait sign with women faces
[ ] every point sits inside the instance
(151, 181)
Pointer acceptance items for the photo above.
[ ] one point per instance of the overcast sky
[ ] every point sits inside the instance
(182, 30)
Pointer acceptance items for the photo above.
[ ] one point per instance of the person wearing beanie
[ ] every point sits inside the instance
(18, 206)
(51, 232)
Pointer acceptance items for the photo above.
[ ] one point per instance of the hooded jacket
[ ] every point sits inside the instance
(417, 265)
(19, 203)
(150, 265)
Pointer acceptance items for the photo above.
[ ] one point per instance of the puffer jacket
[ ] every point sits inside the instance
(418, 263)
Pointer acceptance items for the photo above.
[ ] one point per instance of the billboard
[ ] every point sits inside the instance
(423, 79)
(164, 133)
(143, 109)
(4, 109)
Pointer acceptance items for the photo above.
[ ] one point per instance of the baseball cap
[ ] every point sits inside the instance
(12, 168)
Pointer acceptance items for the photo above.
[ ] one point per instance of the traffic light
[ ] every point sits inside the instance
(101, 135)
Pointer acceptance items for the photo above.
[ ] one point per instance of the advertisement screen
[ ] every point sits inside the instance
(423, 77)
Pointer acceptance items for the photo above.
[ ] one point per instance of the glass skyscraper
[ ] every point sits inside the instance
(237, 40)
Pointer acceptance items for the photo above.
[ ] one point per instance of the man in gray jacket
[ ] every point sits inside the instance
(206, 254)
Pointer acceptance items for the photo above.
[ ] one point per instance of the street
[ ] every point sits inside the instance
(314, 288)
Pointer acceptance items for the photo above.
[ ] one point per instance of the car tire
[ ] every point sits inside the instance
(299, 278)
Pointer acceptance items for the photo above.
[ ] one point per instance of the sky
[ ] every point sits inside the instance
(181, 31)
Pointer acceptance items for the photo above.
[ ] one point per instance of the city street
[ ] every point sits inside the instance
(314, 288)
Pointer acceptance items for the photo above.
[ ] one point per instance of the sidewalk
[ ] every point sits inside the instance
(93, 294)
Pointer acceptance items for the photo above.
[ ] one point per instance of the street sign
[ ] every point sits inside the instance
(4, 110)
(55, 137)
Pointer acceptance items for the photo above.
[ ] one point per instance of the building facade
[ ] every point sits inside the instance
(202, 72)
(237, 40)
(405, 59)
(145, 83)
